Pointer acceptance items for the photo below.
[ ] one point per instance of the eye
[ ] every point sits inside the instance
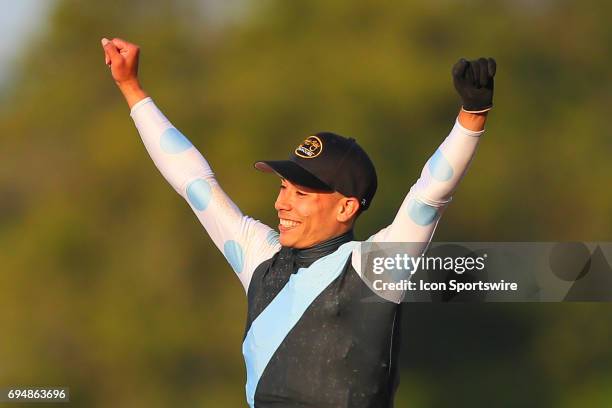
(300, 193)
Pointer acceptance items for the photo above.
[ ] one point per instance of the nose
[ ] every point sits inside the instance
(282, 202)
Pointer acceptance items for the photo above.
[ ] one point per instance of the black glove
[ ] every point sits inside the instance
(474, 82)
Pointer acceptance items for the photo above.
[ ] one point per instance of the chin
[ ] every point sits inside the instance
(290, 240)
(285, 240)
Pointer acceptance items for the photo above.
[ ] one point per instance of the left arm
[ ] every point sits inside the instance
(429, 196)
(418, 215)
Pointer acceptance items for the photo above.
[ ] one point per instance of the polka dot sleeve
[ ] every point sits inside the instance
(244, 242)
(420, 212)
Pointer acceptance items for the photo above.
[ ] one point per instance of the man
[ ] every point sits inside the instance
(311, 340)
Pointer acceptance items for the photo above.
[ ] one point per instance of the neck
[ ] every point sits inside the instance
(306, 256)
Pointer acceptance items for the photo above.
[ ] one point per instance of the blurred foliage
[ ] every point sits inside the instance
(110, 286)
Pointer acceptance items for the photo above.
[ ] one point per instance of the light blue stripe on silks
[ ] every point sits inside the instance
(273, 324)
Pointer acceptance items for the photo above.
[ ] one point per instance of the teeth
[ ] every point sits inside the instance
(288, 223)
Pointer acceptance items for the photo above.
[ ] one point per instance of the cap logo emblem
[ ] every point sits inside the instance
(310, 148)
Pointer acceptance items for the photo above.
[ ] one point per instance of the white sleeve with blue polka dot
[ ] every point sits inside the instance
(245, 242)
(427, 199)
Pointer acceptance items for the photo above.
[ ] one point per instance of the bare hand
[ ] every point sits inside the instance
(122, 58)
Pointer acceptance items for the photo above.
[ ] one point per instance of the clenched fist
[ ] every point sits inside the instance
(474, 82)
(122, 59)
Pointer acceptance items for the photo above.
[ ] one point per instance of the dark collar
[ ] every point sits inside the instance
(305, 257)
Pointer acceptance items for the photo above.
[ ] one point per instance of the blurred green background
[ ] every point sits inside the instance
(108, 283)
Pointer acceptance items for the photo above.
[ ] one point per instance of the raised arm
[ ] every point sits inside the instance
(420, 212)
(245, 242)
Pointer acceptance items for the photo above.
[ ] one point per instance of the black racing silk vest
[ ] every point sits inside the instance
(316, 335)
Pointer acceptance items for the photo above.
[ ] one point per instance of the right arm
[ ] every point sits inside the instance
(245, 242)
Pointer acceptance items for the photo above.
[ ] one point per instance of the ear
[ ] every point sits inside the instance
(349, 206)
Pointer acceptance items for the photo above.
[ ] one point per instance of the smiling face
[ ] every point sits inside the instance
(308, 217)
